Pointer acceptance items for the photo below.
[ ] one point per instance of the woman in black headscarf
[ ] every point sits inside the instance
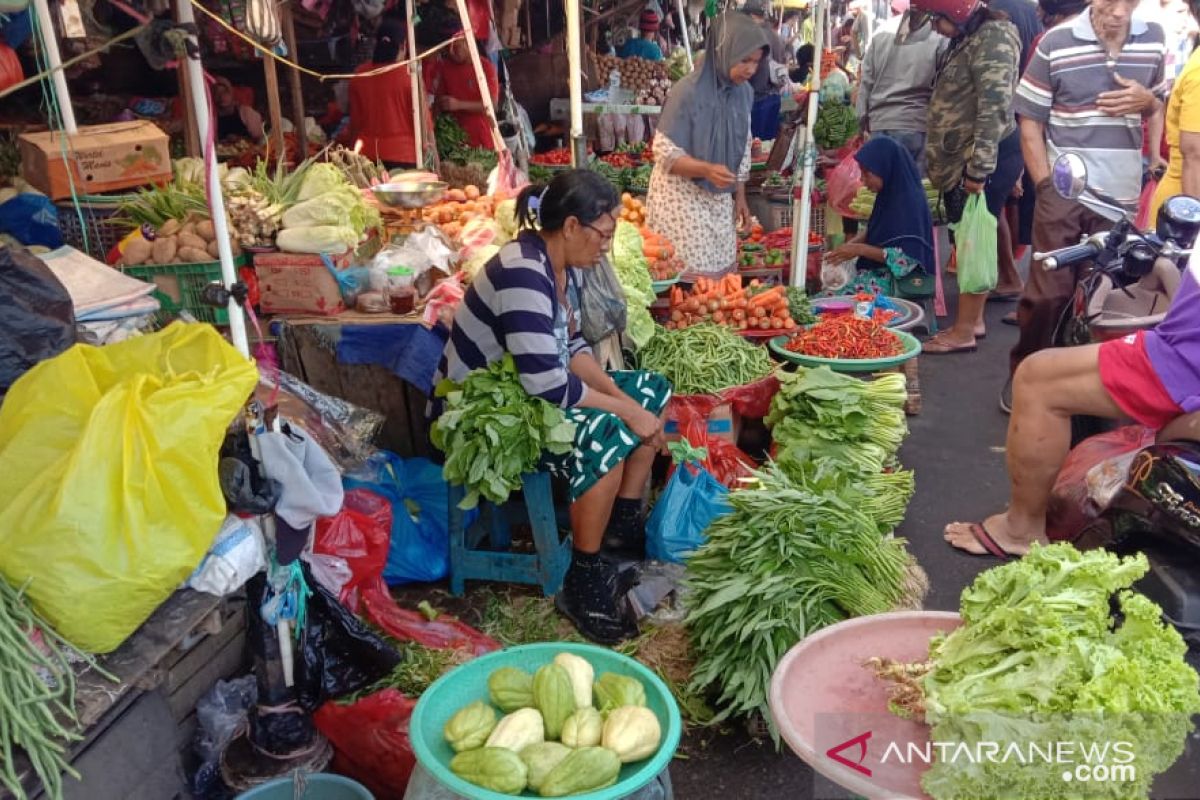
(702, 149)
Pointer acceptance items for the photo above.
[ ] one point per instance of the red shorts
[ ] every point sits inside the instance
(1130, 379)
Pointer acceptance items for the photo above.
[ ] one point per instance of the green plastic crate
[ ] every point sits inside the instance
(179, 288)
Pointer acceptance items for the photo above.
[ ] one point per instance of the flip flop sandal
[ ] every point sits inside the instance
(989, 544)
(1010, 319)
(946, 349)
(1003, 297)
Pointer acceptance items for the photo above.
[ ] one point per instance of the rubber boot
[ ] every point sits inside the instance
(625, 536)
(587, 599)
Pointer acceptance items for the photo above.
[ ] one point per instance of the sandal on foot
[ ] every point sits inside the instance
(993, 548)
(938, 346)
(1010, 319)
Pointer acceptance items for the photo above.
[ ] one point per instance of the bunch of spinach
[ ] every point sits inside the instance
(492, 432)
(801, 549)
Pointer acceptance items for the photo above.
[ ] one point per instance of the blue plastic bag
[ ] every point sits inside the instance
(31, 219)
(692, 500)
(419, 495)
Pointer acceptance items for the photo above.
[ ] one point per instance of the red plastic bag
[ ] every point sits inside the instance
(1071, 507)
(1145, 199)
(361, 534)
(843, 184)
(727, 463)
(371, 741)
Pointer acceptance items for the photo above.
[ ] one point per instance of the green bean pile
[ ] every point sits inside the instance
(37, 696)
(704, 359)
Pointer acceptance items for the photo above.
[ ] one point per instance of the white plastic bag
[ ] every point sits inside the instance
(836, 275)
(236, 555)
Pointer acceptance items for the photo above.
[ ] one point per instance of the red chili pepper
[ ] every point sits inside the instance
(847, 336)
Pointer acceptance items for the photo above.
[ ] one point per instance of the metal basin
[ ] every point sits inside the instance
(410, 194)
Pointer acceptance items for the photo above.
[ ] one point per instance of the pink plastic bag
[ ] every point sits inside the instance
(843, 184)
(1145, 200)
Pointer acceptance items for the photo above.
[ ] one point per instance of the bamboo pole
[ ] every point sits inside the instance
(575, 84)
(480, 75)
(414, 77)
(802, 209)
(54, 60)
(274, 110)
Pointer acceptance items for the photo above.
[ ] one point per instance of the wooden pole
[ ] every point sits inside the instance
(575, 84)
(480, 75)
(418, 97)
(287, 23)
(191, 132)
(274, 110)
(802, 208)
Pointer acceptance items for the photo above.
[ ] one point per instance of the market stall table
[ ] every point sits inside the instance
(378, 361)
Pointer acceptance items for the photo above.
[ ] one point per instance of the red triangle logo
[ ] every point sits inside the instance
(835, 753)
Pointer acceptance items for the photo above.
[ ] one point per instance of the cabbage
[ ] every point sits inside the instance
(328, 209)
(321, 178)
(506, 217)
(317, 239)
(477, 259)
(189, 170)
(630, 265)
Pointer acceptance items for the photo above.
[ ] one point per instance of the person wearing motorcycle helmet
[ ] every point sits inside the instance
(972, 144)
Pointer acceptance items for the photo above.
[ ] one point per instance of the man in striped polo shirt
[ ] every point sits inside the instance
(1086, 90)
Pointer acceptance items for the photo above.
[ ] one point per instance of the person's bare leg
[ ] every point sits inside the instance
(962, 333)
(637, 473)
(1009, 279)
(589, 514)
(1050, 386)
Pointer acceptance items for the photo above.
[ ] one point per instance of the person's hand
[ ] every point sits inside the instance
(447, 103)
(1018, 188)
(719, 176)
(1131, 98)
(844, 252)
(645, 426)
(1158, 167)
(742, 215)
(972, 187)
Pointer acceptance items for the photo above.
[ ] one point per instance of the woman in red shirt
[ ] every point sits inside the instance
(381, 106)
(452, 80)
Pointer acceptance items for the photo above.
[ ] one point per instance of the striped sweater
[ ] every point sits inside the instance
(512, 306)
(1068, 71)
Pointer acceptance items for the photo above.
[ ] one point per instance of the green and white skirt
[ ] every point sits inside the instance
(602, 439)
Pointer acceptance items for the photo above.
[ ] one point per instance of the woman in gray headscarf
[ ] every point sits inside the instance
(702, 150)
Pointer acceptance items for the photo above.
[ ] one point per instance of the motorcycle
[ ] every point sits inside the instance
(1133, 274)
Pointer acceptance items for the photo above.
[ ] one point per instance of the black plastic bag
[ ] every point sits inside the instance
(277, 725)
(338, 654)
(37, 317)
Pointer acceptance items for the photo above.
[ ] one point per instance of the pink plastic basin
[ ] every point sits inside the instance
(823, 699)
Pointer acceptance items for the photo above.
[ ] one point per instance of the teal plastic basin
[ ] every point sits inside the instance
(318, 786)
(468, 683)
(912, 349)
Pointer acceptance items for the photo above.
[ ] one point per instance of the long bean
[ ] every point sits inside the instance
(704, 359)
(37, 696)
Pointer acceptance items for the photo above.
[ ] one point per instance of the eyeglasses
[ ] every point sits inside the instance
(605, 238)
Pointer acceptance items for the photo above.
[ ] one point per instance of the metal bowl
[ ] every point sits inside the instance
(410, 194)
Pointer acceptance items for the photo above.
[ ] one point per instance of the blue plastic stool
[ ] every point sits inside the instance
(546, 567)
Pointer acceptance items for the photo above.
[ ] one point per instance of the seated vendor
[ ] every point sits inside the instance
(526, 301)
(234, 120)
(1152, 376)
(453, 81)
(646, 45)
(898, 239)
(381, 105)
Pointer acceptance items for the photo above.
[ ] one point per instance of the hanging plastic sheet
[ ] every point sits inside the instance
(37, 318)
(411, 352)
(110, 496)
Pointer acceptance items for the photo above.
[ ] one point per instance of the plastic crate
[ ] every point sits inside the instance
(179, 288)
(103, 231)
(781, 217)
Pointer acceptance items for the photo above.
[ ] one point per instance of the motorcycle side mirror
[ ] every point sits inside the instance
(1069, 176)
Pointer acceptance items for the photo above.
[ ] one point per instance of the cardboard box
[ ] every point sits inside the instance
(295, 283)
(723, 423)
(102, 158)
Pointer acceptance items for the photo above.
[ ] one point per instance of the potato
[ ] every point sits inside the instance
(164, 250)
(193, 255)
(188, 227)
(212, 249)
(137, 251)
(206, 230)
(192, 240)
(169, 228)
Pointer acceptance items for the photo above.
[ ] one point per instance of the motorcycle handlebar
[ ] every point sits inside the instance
(1066, 256)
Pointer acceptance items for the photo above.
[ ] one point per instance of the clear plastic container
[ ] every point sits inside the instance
(402, 299)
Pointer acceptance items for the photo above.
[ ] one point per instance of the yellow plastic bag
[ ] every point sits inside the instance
(110, 495)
